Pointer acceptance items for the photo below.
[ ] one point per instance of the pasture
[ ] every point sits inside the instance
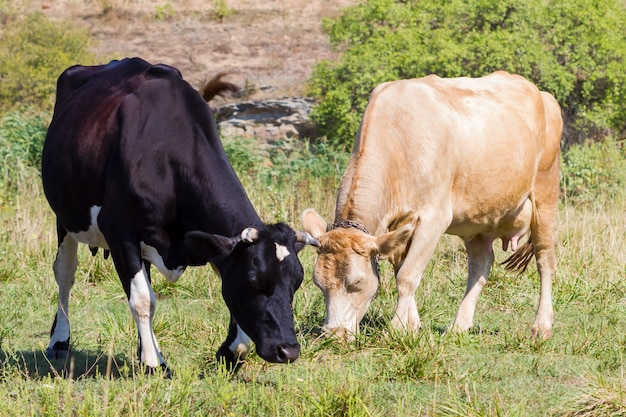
(495, 369)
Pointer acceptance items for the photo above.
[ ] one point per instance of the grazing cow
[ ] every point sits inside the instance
(476, 158)
(132, 164)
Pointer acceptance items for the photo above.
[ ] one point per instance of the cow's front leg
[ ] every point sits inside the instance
(480, 258)
(409, 275)
(142, 303)
(135, 279)
(64, 268)
(235, 347)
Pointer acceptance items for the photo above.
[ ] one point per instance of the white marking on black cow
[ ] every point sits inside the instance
(142, 303)
(92, 236)
(149, 253)
(281, 252)
(241, 345)
(64, 268)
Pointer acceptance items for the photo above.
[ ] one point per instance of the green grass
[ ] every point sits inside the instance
(495, 370)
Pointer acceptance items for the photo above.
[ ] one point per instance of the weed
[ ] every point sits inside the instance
(164, 12)
(221, 10)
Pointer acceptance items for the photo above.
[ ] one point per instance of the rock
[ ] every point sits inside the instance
(269, 120)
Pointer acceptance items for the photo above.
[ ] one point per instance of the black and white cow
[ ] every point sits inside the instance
(132, 163)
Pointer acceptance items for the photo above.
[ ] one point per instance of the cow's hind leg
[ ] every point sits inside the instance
(135, 279)
(546, 265)
(64, 268)
(544, 245)
(480, 259)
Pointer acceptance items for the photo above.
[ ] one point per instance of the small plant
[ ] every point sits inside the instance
(165, 12)
(221, 10)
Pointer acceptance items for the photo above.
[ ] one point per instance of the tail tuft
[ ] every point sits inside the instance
(217, 87)
(520, 259)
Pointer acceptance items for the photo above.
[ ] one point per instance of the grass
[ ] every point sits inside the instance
(494, 370)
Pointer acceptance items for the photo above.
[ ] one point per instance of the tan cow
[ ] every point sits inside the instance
(477, 158)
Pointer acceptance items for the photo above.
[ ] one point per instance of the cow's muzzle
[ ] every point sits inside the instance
(287, 352)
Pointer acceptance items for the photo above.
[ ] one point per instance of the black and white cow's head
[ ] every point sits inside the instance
(260, 273)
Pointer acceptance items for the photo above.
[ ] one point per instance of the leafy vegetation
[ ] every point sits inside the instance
(33, 53)
(284, 161)
(221, 10)
(595, 172)
(574, 49)
(164, 12)
(22, 133)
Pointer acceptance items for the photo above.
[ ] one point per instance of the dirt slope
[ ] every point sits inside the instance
(269, 46)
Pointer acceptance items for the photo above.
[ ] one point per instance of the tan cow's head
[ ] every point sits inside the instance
(346, 269)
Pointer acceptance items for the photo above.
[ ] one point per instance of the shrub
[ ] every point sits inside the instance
(33, 53)
(594, 172)
(282, 162)
(164, 13)
(298, 161)
(574, 49)
(22, 133)
(221, 10)
(243, 154)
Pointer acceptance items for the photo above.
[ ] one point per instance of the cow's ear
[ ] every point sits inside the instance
(313, 223)
(207, 247)
(396, 240)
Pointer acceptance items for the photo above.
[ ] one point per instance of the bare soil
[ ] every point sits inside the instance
(267, 46)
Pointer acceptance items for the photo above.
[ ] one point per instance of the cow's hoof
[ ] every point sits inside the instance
(227, 359)
(60, 350)
(541, 335)
(163, 370)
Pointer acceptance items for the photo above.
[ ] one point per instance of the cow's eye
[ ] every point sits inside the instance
(253, 280)
(353, 283)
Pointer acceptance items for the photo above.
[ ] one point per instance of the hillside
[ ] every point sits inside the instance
(268, 46)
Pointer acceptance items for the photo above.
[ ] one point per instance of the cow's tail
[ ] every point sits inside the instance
(520, 259)
(217, 87)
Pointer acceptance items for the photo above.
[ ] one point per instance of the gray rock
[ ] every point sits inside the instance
(269, 120)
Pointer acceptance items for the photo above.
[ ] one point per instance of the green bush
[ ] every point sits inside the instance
(22, 133)
(594, 172)
(243, 154)
(575, 50)
(282, 162)
(299, 161)
(33, 53)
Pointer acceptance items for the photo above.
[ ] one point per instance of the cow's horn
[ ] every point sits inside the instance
(306, 238)
(249, 235)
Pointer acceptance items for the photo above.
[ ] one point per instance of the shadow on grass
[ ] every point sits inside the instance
(77, 365)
